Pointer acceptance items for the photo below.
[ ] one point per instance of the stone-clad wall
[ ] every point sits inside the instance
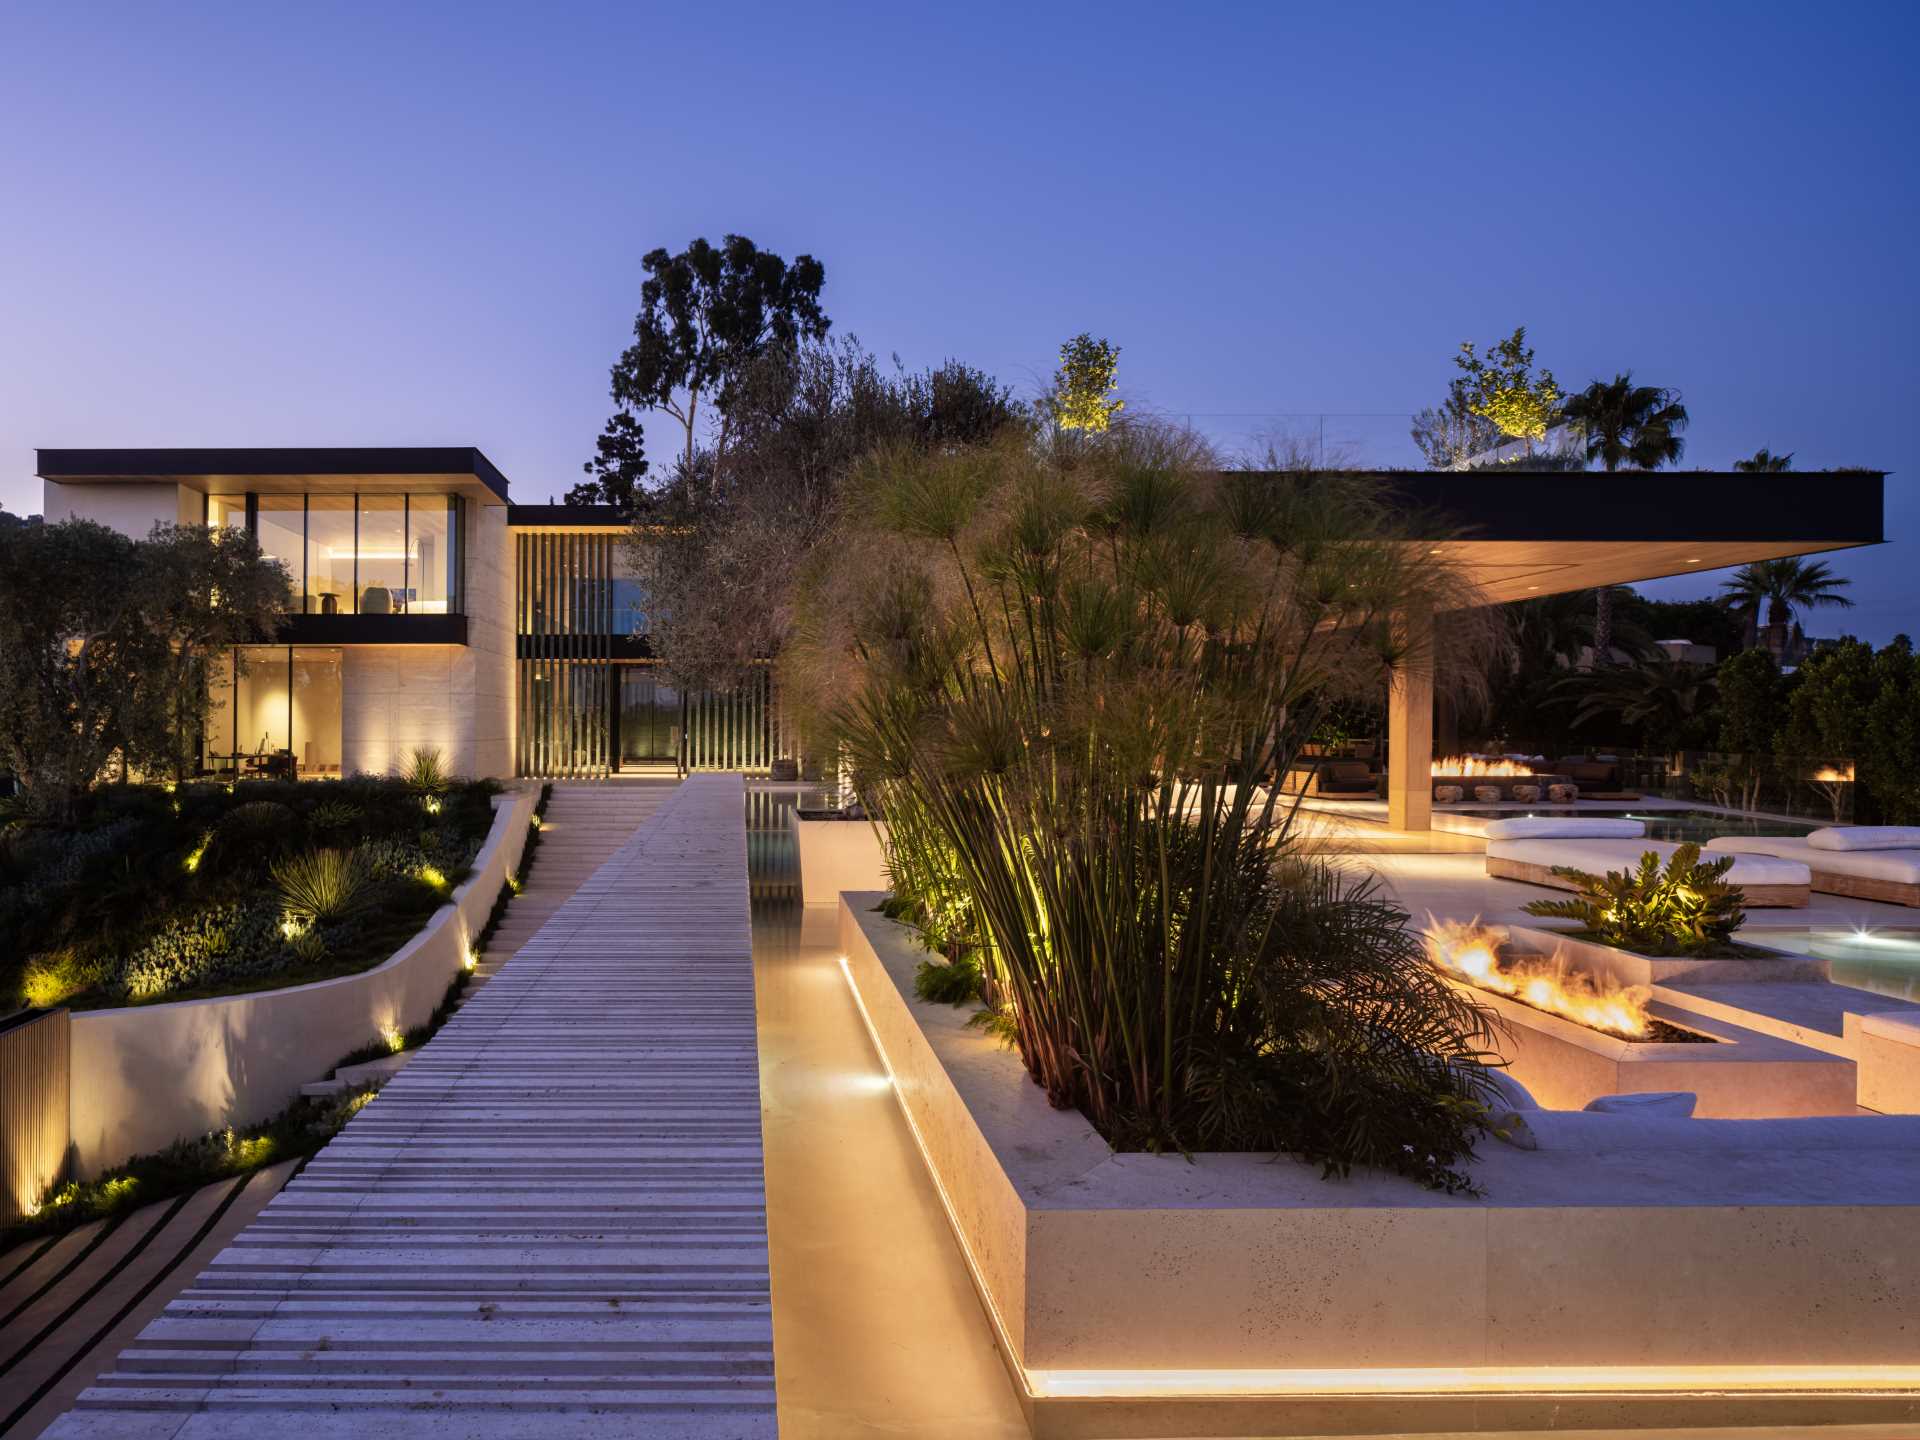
(485, 671)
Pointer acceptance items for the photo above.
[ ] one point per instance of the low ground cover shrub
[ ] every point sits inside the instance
(154, 892)
(1684, 908)
(300, 1129)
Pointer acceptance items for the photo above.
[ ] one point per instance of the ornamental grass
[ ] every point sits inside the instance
(1067, 674)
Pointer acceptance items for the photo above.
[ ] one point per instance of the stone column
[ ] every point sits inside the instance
(1410, 729)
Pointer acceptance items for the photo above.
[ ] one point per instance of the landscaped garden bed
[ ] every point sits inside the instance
(1227, 1293)
(163, 893)
(149, 1074)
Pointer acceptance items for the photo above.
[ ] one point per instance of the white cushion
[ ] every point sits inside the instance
(1547, 827)
(1509, 1092)
(1598, 856)
(1901, 867)
(1866, 837)
(1675, 1103)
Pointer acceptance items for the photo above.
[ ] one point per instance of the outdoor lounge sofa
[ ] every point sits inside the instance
(1333, 777)
(1862, 862)
(1528, 848)
(1598, 777)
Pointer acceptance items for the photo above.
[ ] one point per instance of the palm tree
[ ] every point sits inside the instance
(1664, 701)
(1624, 423)
(1765, 462)
(1783, 586)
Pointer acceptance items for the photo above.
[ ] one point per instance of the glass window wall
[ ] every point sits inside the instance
(275, 711)
(382, 551)
(316, 692)
(330, 554)
(228, 512)
(281, 521)
(358, 554)
(430, 574)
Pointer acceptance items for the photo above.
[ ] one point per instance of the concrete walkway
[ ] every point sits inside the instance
(550, 1224)
(584, 824)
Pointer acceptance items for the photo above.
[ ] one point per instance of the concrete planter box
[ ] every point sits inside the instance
(838, 855)
(1628, 968)
(1141, 1295)
(1745, 1075)
(146, 1076)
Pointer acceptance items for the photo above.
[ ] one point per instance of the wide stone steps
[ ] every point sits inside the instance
(550, 1223)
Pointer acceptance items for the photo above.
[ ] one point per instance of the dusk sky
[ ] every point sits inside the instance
(420, 224)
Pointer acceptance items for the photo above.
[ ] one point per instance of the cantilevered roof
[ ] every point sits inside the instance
(458, 468)
(1523, 534)
(566, 517)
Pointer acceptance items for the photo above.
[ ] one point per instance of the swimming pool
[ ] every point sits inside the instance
(1679, 826)
(1881, 959)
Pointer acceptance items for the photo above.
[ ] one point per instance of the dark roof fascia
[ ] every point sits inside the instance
(1837, 507)
(183, 464)
(607, 516)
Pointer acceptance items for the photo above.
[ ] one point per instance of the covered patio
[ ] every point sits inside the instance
(1520, 535)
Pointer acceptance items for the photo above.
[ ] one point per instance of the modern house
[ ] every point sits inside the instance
(432, 611)
(429, 611)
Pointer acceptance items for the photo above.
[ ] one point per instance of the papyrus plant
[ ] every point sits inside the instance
(1071, 675)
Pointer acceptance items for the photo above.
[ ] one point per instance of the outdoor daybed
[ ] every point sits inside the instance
(1528, 849)
(1862, 862)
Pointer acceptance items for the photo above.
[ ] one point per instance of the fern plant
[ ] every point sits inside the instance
(1682, 909)
(321, 885)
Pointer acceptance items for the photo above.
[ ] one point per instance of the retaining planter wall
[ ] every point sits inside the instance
(1768, 1277)
(838, 855)
(148, 1075)
(34, 1106)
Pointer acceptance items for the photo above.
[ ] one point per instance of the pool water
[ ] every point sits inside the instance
(1884, 960)
(1678, 826)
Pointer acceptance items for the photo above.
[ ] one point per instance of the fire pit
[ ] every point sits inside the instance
(1470, 774)
(1570, 1037)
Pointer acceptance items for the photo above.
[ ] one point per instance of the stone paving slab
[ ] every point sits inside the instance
(551, 1223)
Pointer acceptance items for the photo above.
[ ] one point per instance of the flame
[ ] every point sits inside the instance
(1451, 766)
(1833, 774)
(1470, 953)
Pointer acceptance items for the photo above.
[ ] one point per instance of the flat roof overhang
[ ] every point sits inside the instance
(1524, 534)
(458, 469)
(573, 519)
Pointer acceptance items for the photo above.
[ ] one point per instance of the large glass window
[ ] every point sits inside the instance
(330, 554)
(274, 711)
(357, 554)
(430, 577)
(383, 554)
(281, 521)
(262, 711)
(316, 695)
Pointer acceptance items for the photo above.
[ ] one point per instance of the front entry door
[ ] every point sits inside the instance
(649, 717)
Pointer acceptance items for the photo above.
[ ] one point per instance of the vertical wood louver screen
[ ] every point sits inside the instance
(563, 596)
(567, 700)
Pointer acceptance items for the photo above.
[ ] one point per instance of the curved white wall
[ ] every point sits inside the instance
(146, 1076)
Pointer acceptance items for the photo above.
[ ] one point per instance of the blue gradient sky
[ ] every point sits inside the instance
(422, 224)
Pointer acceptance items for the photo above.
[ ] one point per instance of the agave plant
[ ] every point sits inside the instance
(317, 886)
(1068, 678)
(426, 772)
(1681, 909)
